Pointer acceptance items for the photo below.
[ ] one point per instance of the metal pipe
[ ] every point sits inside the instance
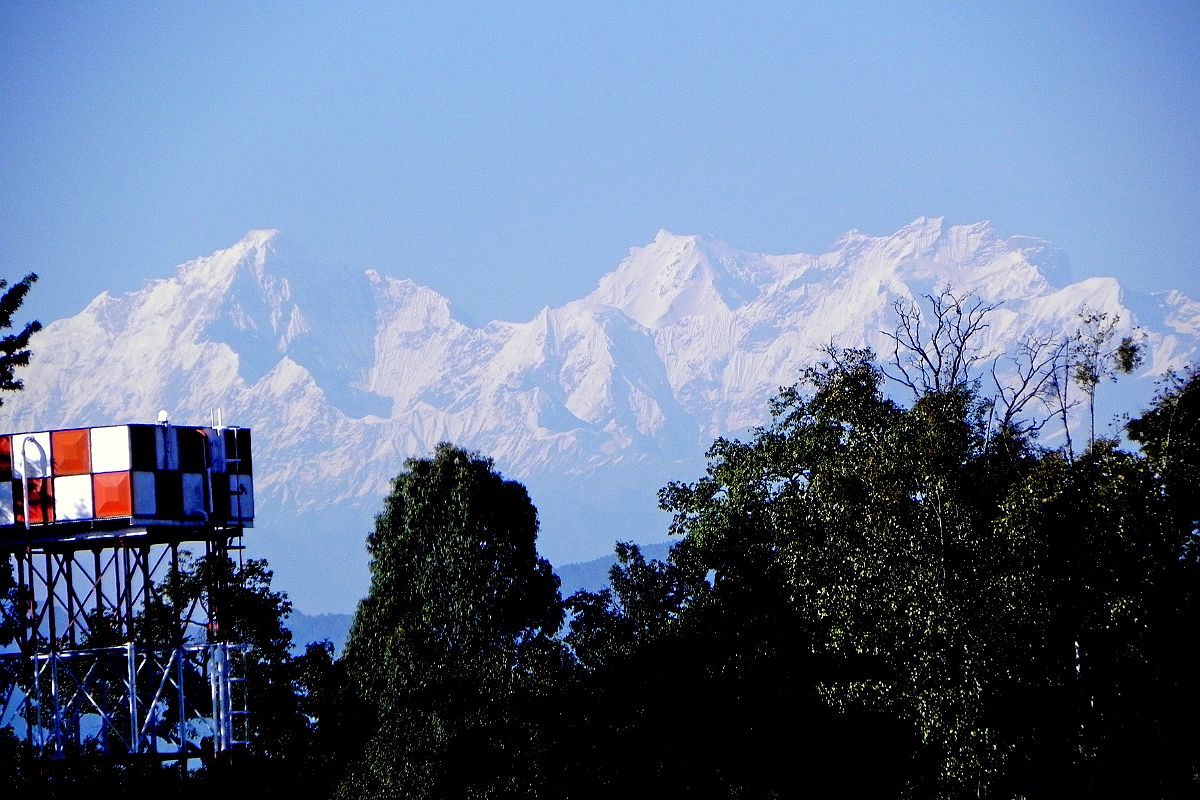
(37, 699)
(51, 598)
(69, 576)
(131, 665)
(127, 580)
(147, 585)
(180, 655)
(26, 593)
(56, 708)
(98, 584)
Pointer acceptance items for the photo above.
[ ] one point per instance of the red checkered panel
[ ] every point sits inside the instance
(112, 495)
(71, 452)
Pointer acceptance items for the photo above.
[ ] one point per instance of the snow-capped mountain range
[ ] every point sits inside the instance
(594, 404)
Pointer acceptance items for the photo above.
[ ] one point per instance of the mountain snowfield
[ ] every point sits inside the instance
(594, 404)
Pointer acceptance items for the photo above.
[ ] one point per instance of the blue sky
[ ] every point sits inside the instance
(508, 155)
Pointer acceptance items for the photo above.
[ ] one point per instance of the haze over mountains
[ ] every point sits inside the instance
(594, 404)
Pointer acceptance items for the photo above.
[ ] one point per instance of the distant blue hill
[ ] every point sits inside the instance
(585, 575)
(308, 628)
(593, 575)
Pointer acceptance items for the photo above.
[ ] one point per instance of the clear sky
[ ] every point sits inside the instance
(507, 155)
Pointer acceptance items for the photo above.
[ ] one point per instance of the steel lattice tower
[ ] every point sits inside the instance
(111, 657)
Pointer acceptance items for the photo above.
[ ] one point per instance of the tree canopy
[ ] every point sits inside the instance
(14, 347)
(447, 649)
(1029, 617)
(866, 597)
(14, 353)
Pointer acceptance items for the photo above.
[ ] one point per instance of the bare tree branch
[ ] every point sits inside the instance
(944, 359)
(1035, 363)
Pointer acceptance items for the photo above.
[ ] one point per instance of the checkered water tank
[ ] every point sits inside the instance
(136, 475)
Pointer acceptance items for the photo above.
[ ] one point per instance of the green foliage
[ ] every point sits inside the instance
(694, 690)
(448, 652)
(1169, 435)
(14, 353)
(866, 599)
(1024, 616)
(282, 755)
(1096, 354)
(14, 347)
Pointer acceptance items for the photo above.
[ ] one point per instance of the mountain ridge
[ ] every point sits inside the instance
(594, 403)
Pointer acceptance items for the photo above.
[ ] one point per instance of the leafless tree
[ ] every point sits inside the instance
(1037, 363)
(935, 349)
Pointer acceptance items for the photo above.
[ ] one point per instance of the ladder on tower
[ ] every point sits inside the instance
(227, 681)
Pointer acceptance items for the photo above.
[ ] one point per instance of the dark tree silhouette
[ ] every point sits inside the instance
(14, 347)
(448, 652)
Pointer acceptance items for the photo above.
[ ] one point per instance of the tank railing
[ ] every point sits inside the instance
(25, 475)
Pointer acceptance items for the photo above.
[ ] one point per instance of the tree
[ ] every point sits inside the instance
(696, 686)
(14, 347)
(936, 349)
(861, 516)
(14, 353)
(1036, 368)
(1169, 435)
(1096, 353)
(447, 653)
(249, 612)
(281, 758)
(1028, 618)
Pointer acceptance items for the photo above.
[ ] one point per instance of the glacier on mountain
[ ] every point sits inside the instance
(594, 404)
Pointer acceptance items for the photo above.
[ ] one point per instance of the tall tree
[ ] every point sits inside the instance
(1027, 616)
(860, 514)
(14, 347)
(1169, 435)
(14, 353)
(447, 652)
(1096, 354)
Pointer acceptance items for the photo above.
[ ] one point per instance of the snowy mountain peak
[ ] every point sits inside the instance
(409, 304)
(922, 231)
(259, 237)
(679, 276)
(927, 255)
(217, 270)
(595, 403)
(1183, 313)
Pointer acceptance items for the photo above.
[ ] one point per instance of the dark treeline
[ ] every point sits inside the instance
(866, 598)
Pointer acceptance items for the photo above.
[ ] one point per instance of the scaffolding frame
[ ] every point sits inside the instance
(87, 678)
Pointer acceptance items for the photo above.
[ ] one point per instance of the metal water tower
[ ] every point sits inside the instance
(109, 659)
